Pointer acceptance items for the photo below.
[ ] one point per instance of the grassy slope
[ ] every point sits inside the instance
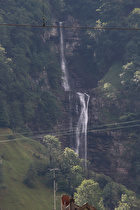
(17, 155)
(110, 88)
(112, 76)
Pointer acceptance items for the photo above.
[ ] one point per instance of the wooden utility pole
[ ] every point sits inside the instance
(54, 169)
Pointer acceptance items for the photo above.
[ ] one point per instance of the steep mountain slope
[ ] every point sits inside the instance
(16, 154)
(104, 63)
(30, 72)
(112, 145)
(26, 181)
(112, 58)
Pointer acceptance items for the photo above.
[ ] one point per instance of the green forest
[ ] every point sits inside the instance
(26, 60)
(26, 176)
(105, 61)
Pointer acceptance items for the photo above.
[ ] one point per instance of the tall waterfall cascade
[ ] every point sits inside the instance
(81, 129)
(63, 61)
(81, 125)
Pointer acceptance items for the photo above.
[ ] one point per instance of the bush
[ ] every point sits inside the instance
(31, 176)
(1, 172)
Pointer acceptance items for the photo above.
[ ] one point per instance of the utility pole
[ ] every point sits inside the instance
(54, 169)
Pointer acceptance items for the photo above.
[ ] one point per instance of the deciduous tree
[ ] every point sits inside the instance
(53, 148)
(89, 192)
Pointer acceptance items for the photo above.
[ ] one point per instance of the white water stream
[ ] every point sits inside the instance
(63, 61)
(81, 127)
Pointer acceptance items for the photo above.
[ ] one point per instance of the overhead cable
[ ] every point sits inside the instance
(67, 133)
(89, 128)
(72, 27)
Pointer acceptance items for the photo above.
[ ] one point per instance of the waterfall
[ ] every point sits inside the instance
(63, 61)
(81, 129)
(81, 125)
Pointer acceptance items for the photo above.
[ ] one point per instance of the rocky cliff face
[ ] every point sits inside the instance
(107, 148)
(68, 98)
(71, 35)
(108, 154)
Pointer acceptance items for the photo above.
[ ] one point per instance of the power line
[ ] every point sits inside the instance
(97, 130)
(71, 27)
(97, 127)
(67, 133)
(102, 126)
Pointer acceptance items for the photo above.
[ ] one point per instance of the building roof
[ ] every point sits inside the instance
(86, 206)
(70, 202)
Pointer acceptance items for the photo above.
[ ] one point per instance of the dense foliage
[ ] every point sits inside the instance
(1, 172)
(111, 57)
(93, 197)
(101, 48)
(30, 70)
(72, 178)
(30, 75)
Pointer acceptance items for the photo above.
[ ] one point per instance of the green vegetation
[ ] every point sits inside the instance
(127, 203)
(16, 158)
(30, 75)
(29, 67)
(27, 182)
(100, 49)
(1, 172)
(93, 197)
(112, 77)
(30, 92)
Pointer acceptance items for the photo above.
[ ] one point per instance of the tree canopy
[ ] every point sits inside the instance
(30, 75)
(89, 192)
